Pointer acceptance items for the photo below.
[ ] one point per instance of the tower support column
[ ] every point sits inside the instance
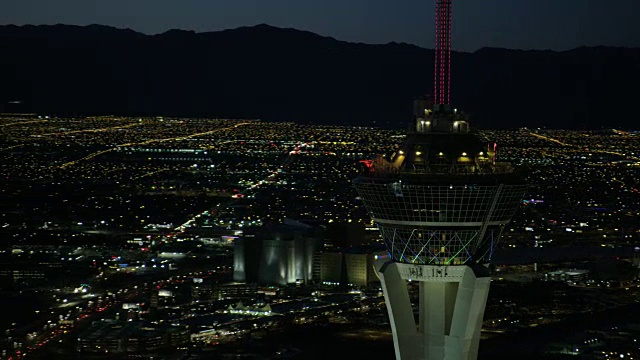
(452, 300)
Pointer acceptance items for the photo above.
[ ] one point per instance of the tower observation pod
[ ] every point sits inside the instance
(441, 202)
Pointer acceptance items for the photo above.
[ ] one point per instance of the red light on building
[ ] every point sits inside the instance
(368, 164)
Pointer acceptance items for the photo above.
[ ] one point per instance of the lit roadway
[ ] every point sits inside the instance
(90, 130)
(23, 122)
(550, 139)
(620, 132)
(147, 142)
(12, 147)
(64, 132)
(269, 178)
(150, 174)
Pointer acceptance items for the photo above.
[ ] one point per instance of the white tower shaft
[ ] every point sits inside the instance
(451, 308)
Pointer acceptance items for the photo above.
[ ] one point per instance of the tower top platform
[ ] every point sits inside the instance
(439, 154)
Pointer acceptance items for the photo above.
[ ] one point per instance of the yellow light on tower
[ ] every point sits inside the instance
(464, 154)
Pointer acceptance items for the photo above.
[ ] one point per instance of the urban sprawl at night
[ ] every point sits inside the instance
(193, 238)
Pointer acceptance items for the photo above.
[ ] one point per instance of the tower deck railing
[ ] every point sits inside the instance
(386, 169)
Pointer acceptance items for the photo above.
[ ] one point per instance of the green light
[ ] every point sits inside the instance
(458, 253)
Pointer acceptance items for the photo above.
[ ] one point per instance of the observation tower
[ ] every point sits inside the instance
(441, 202)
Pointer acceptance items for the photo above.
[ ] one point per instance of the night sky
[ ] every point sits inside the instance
(522, 24)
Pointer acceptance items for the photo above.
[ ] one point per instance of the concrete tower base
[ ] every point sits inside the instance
(452, 303)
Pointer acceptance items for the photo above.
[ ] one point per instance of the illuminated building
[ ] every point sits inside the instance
(571, 276)
(111, 337)
(328, 267)
(353, 267)
(280, 255)
(215, 291)
(441, 202)
(32, 271)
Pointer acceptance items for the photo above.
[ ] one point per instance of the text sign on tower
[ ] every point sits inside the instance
(430, 272)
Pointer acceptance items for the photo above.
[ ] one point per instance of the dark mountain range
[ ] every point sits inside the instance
(290, 75)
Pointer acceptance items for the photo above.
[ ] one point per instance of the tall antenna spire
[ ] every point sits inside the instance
(442, 90)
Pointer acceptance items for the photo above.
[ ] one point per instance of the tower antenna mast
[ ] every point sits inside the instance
(442, 86)
(441, 203)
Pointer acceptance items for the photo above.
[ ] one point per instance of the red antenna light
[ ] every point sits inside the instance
(442, 90)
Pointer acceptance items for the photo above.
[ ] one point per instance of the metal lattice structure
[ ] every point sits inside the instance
(441, 198)
(436, 224)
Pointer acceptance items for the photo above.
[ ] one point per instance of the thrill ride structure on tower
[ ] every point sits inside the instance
(441, 202)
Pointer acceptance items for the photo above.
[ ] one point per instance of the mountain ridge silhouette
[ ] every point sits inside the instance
(284, 74)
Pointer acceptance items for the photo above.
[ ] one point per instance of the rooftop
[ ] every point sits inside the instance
(438, 153)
